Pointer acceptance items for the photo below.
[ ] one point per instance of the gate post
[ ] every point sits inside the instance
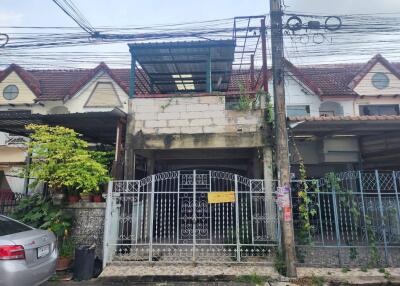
(237, 219)
(151, 218)
(272, 221)
(107, 222)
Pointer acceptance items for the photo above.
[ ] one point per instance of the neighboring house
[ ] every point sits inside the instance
(356, 124)
(12, 157)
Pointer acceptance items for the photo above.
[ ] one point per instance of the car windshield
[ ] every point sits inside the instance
(8, 226)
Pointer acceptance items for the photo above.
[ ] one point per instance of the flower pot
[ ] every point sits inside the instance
(58, 198)
(97, 198)
(86, 198)
(73, 199)
(63, 263)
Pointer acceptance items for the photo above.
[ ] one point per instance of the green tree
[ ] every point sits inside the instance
(62, 160)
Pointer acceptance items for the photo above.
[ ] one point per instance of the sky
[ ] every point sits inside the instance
(149, 12)
(139, 12)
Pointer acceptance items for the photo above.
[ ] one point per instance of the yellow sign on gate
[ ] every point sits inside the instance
(221, 197)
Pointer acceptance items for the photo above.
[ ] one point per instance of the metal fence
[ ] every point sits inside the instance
(354, 219)
(167, 217)
(8, 201)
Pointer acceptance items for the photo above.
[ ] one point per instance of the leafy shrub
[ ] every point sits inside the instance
(39, 212)
(66, 247)
(63, 161)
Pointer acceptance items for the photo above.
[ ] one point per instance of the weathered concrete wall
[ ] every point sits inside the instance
(198, 141)
(191, 115)
(88, 225)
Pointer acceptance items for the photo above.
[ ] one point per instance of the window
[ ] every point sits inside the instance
(10, 92)
(298, 110)
(8, 226)
(330, 108)
(387, 109)
(380, 80)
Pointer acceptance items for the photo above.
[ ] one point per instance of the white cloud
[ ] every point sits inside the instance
(10, 18)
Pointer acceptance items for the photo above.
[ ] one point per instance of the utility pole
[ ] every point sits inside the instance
(281, 135)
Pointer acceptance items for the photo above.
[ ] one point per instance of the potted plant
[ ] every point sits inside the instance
(73, 196)
(97, 197)
(86, 196)
(58, 198)
(65, 254)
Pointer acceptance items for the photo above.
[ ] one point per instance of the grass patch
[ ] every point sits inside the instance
(346, 269)
(317, 280)
(279, 263)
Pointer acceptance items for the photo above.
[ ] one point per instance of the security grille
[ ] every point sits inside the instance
(168, 217)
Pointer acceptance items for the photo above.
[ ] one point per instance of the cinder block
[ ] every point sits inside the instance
(201, 122)
(147, 130)
(169, 130)
(178, 123)
(214, 114)
(172, 107)
(156, 123)
(191, 130)
(192, 115)
(139, 124)
(214, 107)
(220, 121)
(211, 99)
(187, 100)
(214, 129)
(167, 115)
(197, 107)
(146, 109)
(145, 116)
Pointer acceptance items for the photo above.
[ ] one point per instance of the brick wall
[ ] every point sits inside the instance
(191, 115)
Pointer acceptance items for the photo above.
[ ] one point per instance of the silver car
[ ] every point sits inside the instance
(28, 256)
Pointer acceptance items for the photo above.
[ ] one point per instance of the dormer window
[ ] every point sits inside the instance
(380, 80)
(10, 92)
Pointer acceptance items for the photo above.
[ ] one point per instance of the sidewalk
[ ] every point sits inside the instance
(158, 275)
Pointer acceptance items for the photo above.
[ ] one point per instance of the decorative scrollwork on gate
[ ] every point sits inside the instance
(167, 216)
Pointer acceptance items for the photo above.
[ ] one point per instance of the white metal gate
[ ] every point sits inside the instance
(167, 217)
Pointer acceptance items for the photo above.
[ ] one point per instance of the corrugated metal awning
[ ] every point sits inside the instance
(182, 66)
(97, 127)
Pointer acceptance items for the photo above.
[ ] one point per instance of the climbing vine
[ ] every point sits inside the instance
(168, 103)
(346, 199)
(306, 208)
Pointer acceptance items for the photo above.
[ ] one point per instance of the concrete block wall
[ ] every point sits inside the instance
(191, 115)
